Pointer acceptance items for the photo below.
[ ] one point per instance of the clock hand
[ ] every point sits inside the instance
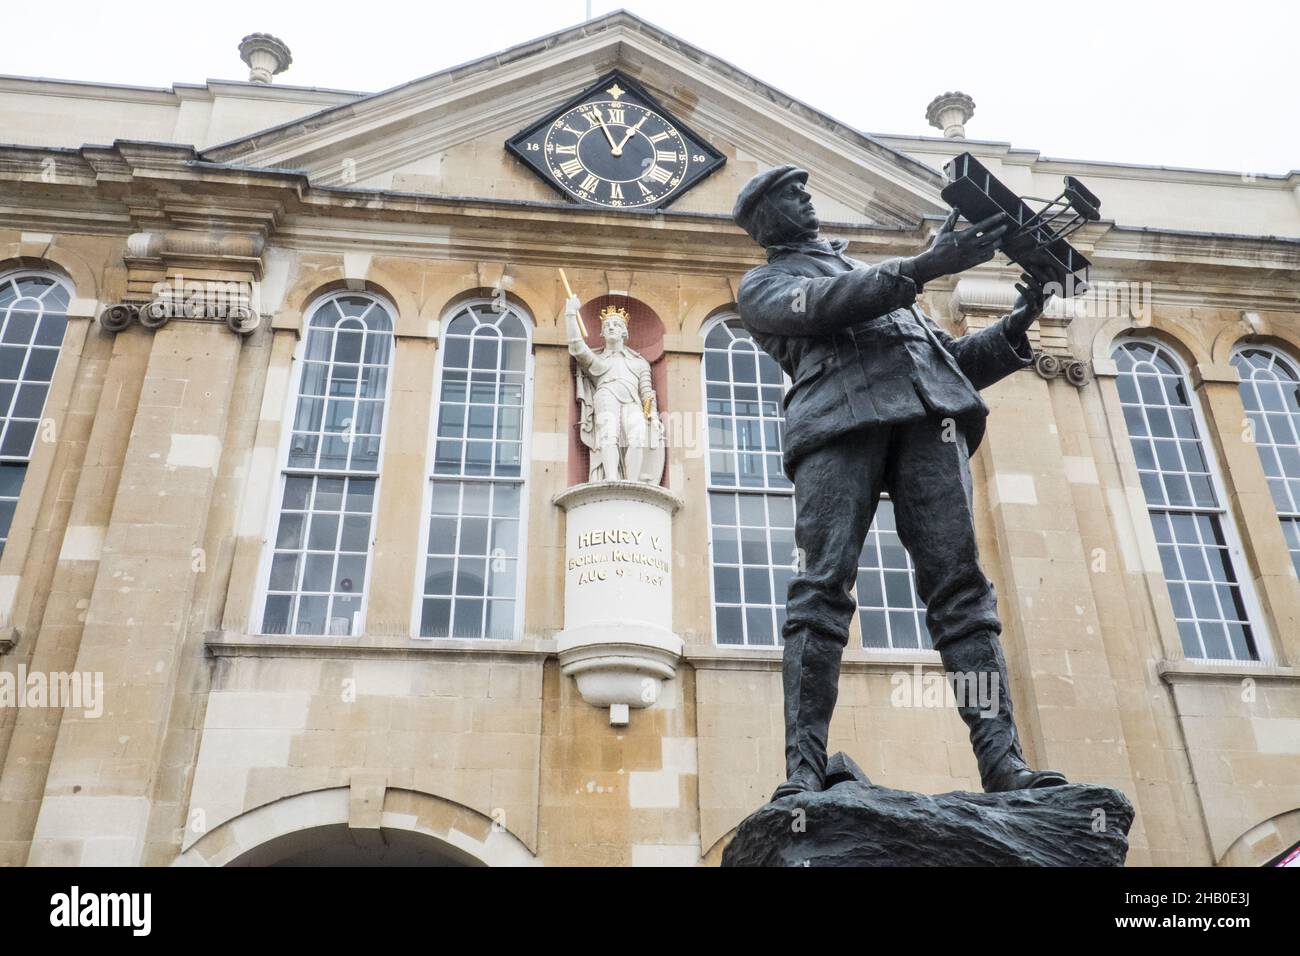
(608, 135)
(618, 150)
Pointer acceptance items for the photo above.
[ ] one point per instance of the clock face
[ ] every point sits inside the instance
(615, 148)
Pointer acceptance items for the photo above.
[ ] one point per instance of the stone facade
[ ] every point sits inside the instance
(138, 548)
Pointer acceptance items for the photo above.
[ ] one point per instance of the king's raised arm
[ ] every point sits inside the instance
(578, 347)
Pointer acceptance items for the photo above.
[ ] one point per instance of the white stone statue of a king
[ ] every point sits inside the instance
(620, 411)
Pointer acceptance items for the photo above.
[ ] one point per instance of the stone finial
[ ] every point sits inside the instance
(265, 55)
(950, 113)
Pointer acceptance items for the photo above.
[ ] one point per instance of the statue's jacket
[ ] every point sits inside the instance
(860, 353)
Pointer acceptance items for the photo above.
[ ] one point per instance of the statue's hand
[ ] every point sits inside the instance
(952, 252)
(1029, 306)
(571, 307)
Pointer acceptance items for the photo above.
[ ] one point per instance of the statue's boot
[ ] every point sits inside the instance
(810, 675)
(977, 669)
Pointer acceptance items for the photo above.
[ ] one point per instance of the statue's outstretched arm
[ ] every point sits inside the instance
(577, 347)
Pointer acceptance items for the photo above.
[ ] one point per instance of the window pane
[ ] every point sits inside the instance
(1175, 471)
(740, 417)
(279, 610)
(328, 549)
(435, 619)
(752, 533)
(468, 617)
(500, 625)
(474, 540)
(730, 629)
(31, 329)
(743, 576)
(889, 612)
(474, 535)
(11, 479)
(1270, 382)
(321, 548)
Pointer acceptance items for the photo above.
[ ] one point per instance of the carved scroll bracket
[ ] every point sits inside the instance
(206, 276)
(1049, 366)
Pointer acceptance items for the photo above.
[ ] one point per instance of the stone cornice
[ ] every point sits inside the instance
(1190, 672)
(857, 660)
(686, 243)
(1091, 168)
(133, 185)
(170, 96)
(226, 644)
(129, 187)
(1213, 248)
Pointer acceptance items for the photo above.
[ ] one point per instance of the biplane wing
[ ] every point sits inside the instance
(1037, 239)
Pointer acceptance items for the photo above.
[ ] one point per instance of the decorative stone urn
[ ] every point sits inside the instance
(618, 642)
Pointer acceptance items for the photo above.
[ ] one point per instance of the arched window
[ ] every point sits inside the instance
(319, 560)
(1270, 391)
(1213, 604)
(33, 316)
(751, 511)
(472, 579)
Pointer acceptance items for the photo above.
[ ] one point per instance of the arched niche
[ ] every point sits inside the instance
(645, 334)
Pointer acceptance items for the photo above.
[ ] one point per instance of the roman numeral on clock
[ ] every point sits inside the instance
(595, 163)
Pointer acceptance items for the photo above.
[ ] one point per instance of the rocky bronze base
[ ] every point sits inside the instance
(855, 823)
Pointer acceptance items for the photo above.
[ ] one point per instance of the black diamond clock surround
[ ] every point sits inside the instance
(615, 147)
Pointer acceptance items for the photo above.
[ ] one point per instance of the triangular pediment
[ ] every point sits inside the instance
(445, 134)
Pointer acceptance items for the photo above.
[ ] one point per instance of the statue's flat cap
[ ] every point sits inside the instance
(753, 192)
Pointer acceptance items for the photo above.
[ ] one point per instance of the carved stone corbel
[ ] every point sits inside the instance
(1049, 366)
(163, 266)
(156, 313)
(117, 317)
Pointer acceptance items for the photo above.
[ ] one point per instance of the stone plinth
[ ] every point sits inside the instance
(618, 641)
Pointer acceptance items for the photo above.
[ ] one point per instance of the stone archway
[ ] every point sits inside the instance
(337, 845)
(1264, 841)
(341, 826)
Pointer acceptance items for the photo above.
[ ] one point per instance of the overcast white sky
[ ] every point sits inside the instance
(1173, 84)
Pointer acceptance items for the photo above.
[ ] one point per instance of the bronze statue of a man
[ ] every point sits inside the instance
(882, 400)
